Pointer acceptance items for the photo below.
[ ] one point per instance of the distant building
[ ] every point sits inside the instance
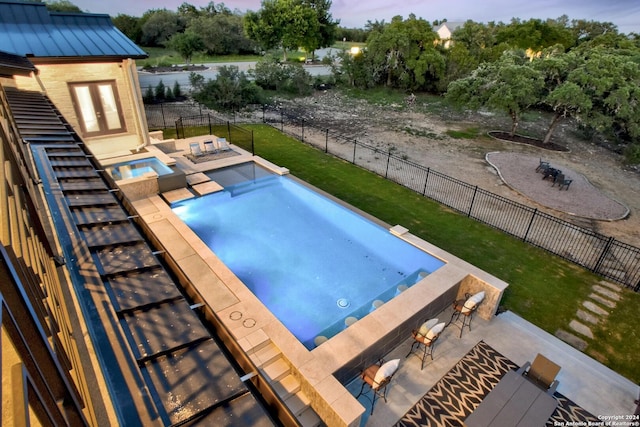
(445, 31)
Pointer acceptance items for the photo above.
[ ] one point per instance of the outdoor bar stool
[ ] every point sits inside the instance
(425, 338)
(464, 310)
(543, 166)
(377, 378)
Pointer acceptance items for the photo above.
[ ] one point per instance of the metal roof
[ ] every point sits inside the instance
(29, 29)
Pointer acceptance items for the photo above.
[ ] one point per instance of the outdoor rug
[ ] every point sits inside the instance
(461, 390)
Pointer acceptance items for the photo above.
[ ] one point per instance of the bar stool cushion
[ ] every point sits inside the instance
(385, 371)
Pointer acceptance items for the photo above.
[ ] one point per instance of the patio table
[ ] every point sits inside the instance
(514, 401)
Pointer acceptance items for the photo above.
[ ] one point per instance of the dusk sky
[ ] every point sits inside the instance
(354, 14)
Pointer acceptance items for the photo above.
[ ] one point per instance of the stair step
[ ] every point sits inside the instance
(309, 418)
(266, 355)
(277, 369)
(297, 403)
(287, 387)
(255, 341)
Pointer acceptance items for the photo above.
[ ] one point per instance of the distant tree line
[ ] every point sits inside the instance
(576, 69)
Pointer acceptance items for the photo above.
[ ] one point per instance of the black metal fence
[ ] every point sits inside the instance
(603, 255)
(164, 115)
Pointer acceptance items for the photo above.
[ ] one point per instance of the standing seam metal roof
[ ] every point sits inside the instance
(29, 29)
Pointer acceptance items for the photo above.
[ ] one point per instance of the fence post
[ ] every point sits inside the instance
(473, 199)
(302, 130)
(326, 141)
(281, 121)
(264, 108)
(526, 233)
(164, 123)
(253, 148)
(229, 131)
(354, 151)
(386, 173)
(209, 118)
(426, 179)
(603, 255)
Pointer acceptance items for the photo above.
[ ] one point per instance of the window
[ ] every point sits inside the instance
(98, 107)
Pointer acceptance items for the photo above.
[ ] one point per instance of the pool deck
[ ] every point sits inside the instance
(585, 381)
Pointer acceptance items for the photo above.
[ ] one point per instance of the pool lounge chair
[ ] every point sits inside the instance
(223, 145)
(195, 149)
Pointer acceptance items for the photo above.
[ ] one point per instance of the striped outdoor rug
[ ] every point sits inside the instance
(462, 389)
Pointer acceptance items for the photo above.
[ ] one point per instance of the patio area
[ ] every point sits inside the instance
(589, 384)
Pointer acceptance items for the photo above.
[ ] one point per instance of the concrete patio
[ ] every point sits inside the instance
(588, 383)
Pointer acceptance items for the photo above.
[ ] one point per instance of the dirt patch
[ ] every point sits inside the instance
(421, 134)
(534, 142)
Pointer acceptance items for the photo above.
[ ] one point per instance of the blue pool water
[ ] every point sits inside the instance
(137, 168)
(311, 261)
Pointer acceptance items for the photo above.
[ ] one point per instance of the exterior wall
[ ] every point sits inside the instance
(54, 79)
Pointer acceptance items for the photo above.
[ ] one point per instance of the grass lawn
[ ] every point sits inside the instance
(544, 289)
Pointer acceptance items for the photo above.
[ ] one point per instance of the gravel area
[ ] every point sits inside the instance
(518, 171)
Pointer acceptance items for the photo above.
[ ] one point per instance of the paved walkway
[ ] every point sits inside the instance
(581, 199)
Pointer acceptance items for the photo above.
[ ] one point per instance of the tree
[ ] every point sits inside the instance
(290, 24)
(511, 85)
(327, 27)
(222, 34)
(403, 54)
(231, 90)
(158, 27)
(62, 6)
(130, 26)
(186, 44)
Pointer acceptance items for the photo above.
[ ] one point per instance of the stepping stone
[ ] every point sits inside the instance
(612, 295)
(588, 317)
(581, 328)
(571, 339)
(613, 287)
(602, 300)
(595, 309)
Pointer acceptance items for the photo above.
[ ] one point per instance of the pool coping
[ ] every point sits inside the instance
(323, 370)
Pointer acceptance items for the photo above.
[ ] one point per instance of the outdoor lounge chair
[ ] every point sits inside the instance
(209, 147)
(562, 181)
(425, 338)
(542, 372)
(377, 378)
(464, 310)
(195, 149)
(223, 145)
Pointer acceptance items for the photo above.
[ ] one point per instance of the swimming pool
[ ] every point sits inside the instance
(137, 168)
(311, 261)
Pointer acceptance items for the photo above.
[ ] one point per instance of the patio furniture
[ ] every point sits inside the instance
(464, 310)
(195, 149)
(562, 181)
(543, 166)
(223, 145)
(542, 372)
(514, 401)
(377, 378)
(209, 147)
(425, 338)
(551, 173)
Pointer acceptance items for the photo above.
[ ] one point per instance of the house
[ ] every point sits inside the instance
(86, 66)
(445, 31)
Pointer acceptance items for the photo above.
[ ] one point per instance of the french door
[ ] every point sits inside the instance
(97, 107)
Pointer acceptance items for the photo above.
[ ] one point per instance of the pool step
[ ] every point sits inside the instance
(276, 370)
(265, 355)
